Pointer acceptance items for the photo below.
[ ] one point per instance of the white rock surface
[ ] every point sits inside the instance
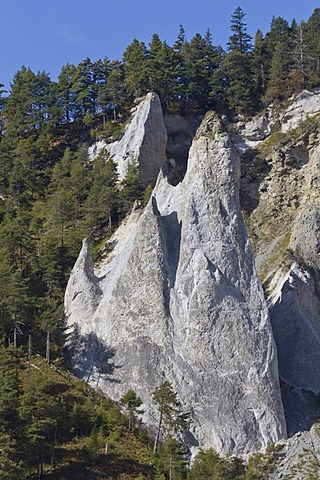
(300, 457)
(144, 141)
(305, 105)
(301, 107)
(181, 301)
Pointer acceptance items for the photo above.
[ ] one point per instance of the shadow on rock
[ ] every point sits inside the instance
(253, 171)
(90, 354)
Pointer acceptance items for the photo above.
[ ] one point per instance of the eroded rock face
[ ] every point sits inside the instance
(144, 141)
(294, 312)
(280, 194)
(181, 301)
(299, 459)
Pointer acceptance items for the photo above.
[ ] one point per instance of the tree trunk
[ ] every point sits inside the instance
(53, 449)
(48, 349)
(158, 434)
(14, 334)
(90, 373)
(40, 467)
(29, 355)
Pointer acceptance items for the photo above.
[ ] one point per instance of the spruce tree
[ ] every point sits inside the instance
(136, 68)
(240, 41)
(238, 69)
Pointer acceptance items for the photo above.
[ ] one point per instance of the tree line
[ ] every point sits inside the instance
(189, 76)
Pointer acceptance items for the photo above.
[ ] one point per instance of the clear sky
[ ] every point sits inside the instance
(46, 34)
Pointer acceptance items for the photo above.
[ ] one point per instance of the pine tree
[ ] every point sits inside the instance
(136, 68)
(132, 403)
(299, 74)
(132, 188)
(237, 67)
(280, 49)
(209, 465)
(201, 60)
(163, 70)
(82, 85)
(11, 432)
(172, 459)
(180, 48)
(171, 417)
(2, 104)
(312, 47)
(17, 113)
(259, 63)
(66, 93)
(101, 205)
(115, 99)
(43, 413)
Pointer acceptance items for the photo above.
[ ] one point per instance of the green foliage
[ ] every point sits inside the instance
(169, 407)
(136, 69)
(260, 465)
(45, 412)
(147, 194)
(171, 460)
(132, 189)
(172, 420)
(240, 40)
(237, 67)
(211, 466)
(51, 196)
(132, 403)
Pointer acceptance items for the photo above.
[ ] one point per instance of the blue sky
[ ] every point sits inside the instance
(46, 34)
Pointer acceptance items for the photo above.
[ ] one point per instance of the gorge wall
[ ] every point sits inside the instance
(179, 299)
(280, 197)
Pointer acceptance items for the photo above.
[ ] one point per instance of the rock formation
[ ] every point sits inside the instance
(299, 459)
(179, 299)
(144, 141)
(280, 196)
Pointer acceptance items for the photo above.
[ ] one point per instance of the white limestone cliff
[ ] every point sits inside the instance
(179, 299)
(143, 141)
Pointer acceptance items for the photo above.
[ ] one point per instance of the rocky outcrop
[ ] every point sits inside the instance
(294, 311)
(299, 459)
(143, 141)
(281, 199)
(179, 299)
(299, 108)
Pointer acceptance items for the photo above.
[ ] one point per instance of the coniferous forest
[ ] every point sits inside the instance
(52, 196)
